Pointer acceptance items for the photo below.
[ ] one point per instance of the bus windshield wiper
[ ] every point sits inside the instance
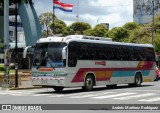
(50, 63)
(44, 58)
(39, 64)
(47, 58)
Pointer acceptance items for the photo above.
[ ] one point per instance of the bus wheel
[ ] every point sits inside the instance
(137, 80)
(89, 83)
(58, 89)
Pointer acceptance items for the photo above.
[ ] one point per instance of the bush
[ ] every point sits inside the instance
(11, 67)
(1, 67)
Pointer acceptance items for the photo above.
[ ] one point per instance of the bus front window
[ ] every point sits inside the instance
(48, 55)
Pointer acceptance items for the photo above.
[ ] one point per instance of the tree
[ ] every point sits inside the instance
(140, 35)
(130, 26)
(89, 32)
(58, 27)
(157, 46)
(99, 30)
(68, 31)
(45, 20)
(79, 27)
(118, 33)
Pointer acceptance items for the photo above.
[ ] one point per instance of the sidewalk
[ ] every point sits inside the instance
(24, 81)
(25, 85)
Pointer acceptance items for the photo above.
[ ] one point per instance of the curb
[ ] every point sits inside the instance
(25, 88)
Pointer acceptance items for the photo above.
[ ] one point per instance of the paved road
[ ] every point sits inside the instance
(149, 93)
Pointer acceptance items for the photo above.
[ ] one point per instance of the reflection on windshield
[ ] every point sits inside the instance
(48, 55)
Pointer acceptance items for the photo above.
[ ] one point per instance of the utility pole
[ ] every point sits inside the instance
(16, 52)
(6, 43)
(153, 23)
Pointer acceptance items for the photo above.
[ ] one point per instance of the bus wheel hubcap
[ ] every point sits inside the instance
(89, 82)
(138, 80)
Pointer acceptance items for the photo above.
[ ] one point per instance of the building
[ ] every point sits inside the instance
(20, 36)
(106, 25)
(143, 10)
(29, 30)
(22, 63)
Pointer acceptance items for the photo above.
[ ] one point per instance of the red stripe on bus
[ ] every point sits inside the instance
(80, 78)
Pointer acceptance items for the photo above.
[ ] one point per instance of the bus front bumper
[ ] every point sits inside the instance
(48, 81)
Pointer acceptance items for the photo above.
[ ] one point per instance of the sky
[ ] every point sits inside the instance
(114, 12)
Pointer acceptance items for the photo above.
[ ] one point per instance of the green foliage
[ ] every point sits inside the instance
(130, 32)
(118, 33)
(58, 27)
(99, 30)
(1, 67)
(89, 32)
(157, 45)
(45, 20)
(68, 31)
(157, 21)
(140, 35)
(130, 26)
(10, 67)
(79, 27)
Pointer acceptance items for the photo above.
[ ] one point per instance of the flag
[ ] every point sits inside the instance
(62, 6)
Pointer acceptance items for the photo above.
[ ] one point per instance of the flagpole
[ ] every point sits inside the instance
(53, 18)
(62, 6)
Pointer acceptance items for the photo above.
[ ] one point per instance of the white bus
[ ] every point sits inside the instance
(86, 61)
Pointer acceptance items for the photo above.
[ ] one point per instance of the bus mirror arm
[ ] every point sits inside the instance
(25, 51)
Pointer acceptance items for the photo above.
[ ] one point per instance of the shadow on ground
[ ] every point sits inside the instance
(96, 89)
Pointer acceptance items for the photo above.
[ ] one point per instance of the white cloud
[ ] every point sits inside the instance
(42, 7)
(114, 12)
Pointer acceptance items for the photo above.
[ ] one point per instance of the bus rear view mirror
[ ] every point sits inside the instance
(25, 51)
(64, 53)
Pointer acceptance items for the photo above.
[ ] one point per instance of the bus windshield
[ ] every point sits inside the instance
(48, 55)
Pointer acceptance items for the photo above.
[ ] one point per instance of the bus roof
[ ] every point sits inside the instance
(88, 39)
(109, 42)
(64, 39)
(50, 39)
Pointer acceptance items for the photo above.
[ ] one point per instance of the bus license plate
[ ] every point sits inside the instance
(44, 81)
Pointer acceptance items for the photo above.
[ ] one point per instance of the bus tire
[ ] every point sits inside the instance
(58, 89)
(137, 80)
(89, 83)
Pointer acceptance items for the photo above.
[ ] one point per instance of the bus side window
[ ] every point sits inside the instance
(72, 58)
(132, 57)
(149, 54)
